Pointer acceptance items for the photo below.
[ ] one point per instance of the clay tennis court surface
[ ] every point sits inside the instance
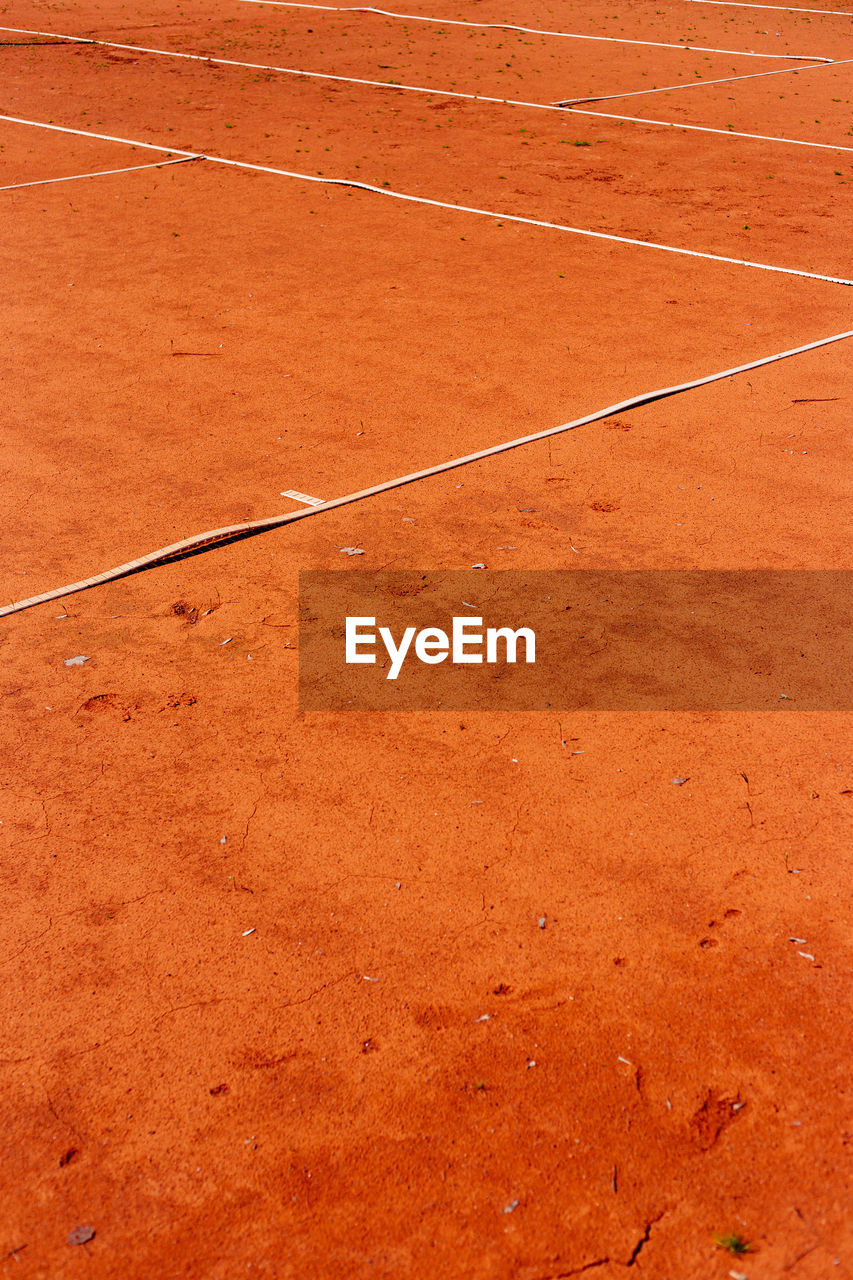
(276, 998)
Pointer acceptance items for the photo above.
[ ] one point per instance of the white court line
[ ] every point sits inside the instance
(537, 31)
(235, 531)
(780, 8)
(456, 208)
(701, 128)
(703, 84)
(469, 97)
(531, 222)
(410, 88)
(295, 71)
(102, 137)
(102, 173)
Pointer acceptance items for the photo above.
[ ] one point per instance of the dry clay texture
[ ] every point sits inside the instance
(480, 995)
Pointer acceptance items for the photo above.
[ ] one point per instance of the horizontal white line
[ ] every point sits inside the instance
(234, 531)
(536, 31)
(702, 128)
(101, 173)
(451, 93)
(703, 84)
(780, 8)
(456, 208)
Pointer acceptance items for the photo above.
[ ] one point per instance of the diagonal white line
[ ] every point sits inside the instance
(101, 173)
(538, 31)
(701, 84)
(102, 137)
(780, 8)
(530, 222)
(456, 208)
(293, 71)
(235, 531)
(702, 128)
(409, 88)
(452, 93)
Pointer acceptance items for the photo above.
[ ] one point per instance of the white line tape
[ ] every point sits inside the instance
(537, 31)
(727, 133)
(235, 531)
(452, 93)
(102, 137)
(460, 208)
(27, 31)
(102, 173)
(301, 497)
(701, 84)
(530, 222)
(295, 71)
(780, 8)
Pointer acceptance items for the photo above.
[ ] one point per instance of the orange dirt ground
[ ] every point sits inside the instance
(322, 1096)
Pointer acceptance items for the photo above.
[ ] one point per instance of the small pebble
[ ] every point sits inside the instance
(81, 1235)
